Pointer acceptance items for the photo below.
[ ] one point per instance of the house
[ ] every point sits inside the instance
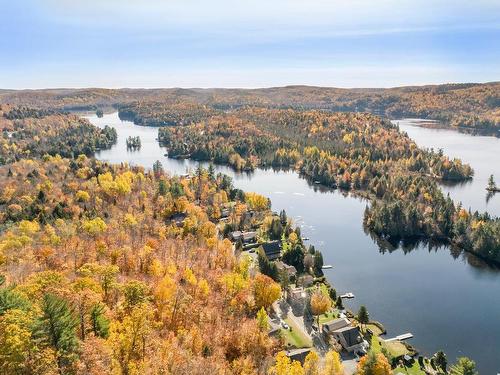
(290, 270)
(305, 281)
(245, 237)
(350, 338)
(297, 294)
(178, 218)
(272, 249)
(334, 325)
(298, 354)
(224, 213)
(297, 298)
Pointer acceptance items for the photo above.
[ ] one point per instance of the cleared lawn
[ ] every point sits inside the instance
(413, 370)
(295, 337)
(374, 328)
(395, 348)
(324, 318)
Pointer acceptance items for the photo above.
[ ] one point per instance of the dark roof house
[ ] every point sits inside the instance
(178, 218)
(298, 354)
(272, 249)
(349, 337)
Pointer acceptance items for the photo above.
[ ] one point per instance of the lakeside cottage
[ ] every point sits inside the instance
(350, 338)
(334, 325)
(272, 250)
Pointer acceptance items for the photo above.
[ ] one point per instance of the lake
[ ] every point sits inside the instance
(449, 301)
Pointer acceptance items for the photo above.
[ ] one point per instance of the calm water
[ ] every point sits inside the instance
(446, 300)
(482, 153)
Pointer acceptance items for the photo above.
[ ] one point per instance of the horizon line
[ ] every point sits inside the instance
(244, 88)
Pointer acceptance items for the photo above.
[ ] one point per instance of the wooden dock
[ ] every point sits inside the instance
(404, 336)
(347, 295)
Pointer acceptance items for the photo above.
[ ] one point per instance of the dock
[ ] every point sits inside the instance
(347, 295)
(404, 336)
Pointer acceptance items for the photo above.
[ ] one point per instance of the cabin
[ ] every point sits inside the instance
(334, 325)
(350, 338)
(272, 249)
(245, 237)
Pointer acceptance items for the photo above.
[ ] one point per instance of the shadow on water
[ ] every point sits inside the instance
(407, 245)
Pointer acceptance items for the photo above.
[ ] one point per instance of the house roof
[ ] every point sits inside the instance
(298, 354)
(351, 335)
(283, 266)
(244, 236)
(272, 249)
(249, 235)
(336, 324)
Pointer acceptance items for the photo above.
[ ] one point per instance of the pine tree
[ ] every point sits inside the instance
(100, 324)
(57, 328)
(363, 316)
(440, 360)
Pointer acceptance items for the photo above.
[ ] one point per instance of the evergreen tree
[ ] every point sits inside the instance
(491, 183)
(57, 328)
(318, 263)
(440, 360)
(100, 324)
(333, 294)
(339, 303)
(363, 316)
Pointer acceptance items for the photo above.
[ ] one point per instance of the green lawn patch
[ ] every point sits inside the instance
(396, 348)
(329, 316)
(413, 370)
(295, 337)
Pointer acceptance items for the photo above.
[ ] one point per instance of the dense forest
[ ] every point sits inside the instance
(470, 106)
(112, 269)
(97, 279)
(34, 133)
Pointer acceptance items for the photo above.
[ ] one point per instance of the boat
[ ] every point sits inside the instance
(305, 238)
(347, 295)
(326, 267)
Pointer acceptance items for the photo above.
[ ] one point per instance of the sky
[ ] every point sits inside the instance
(240, 43)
